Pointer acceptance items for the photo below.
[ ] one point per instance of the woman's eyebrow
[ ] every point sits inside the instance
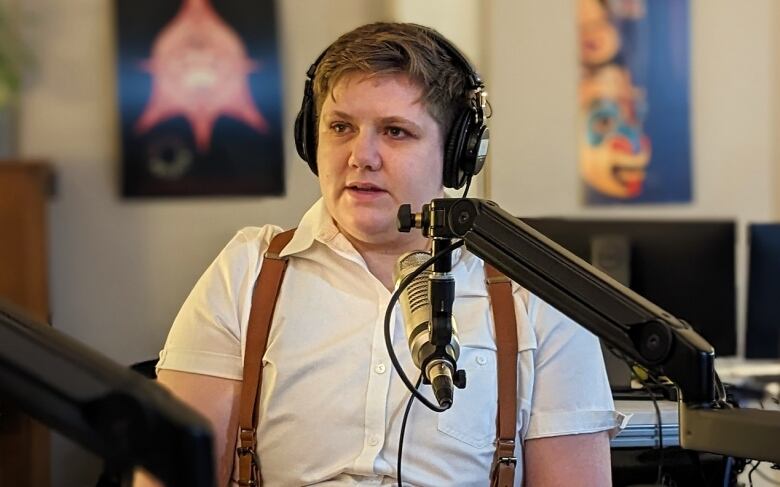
(400, 121)
(337, 114)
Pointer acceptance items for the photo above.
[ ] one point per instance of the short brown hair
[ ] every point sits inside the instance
(387, 48)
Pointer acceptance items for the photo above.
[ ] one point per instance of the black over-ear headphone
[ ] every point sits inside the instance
(466, 144)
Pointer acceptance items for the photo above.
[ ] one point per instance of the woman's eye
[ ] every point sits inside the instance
(339, 128)
(396, 132)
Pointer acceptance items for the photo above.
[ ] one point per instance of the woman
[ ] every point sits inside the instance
(386, 111)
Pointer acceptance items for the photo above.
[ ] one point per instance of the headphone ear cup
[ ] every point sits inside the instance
(454, 176)
(299, 132)
(304, 130)
(479, 140)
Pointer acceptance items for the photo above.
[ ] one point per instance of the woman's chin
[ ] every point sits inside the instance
(374, 234)
(371, 231)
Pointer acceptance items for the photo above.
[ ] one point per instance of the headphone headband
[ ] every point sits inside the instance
(475, 82)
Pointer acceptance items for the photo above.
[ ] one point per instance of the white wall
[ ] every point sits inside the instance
(120, 269)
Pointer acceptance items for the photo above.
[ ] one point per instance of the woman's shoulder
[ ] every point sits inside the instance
(247, 244)
(259, 236)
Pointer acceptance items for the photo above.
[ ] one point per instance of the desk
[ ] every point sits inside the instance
(642, 428)
(633, 459)
(635, 455)
(737, 371)
(756, 375)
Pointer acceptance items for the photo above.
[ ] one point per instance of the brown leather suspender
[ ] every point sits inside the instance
(260, 316)
(501, 300)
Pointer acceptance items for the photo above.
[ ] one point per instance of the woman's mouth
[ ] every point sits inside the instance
(365, 191)
(367, 187)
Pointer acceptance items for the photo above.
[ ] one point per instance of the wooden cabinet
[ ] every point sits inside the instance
(24, 190)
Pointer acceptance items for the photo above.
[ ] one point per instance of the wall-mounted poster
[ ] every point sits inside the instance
(634, 121)
(199, 98)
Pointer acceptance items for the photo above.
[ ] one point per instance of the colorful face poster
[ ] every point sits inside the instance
(634, 120)
(199, 98)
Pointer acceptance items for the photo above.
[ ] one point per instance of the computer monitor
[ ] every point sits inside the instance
(118, 414)
(763, 290)
(686, 267)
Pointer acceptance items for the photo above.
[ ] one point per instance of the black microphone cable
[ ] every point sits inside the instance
(403, 430)
(466, 190)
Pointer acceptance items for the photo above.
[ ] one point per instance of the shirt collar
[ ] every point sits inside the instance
(316, 224)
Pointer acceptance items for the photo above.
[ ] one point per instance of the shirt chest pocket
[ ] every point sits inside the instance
(472, 417)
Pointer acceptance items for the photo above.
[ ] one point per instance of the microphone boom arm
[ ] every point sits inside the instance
(624, 320)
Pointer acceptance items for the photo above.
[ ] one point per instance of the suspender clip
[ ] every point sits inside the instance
(508, 460)
(248, 483)
(247, 439)
(505, 453)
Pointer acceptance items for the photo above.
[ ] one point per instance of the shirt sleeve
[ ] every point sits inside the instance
(571, 393)
(206, 336)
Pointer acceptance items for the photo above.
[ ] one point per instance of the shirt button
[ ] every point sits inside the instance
(380, 368)
(481, 360)
(373, 440)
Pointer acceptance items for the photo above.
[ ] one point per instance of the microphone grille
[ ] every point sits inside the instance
(417, 291)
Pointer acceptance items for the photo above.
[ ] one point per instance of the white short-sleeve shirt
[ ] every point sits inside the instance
(331, 405)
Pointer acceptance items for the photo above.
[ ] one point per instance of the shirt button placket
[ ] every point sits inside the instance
(376, 395)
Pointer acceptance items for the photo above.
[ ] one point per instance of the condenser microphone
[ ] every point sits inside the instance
(437, 363)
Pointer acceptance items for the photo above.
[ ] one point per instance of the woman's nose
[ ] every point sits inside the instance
(365, 151)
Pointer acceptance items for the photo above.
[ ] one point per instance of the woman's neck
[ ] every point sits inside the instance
(381, 258)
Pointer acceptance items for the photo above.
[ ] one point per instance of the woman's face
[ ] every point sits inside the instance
(377, 148)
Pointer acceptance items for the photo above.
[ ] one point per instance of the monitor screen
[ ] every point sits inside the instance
(686, 267)
(763, 320)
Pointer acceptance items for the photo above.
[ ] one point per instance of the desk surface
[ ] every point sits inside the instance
(642, 428)
(735, 370)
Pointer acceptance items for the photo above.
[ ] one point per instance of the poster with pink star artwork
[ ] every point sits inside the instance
(199, 98)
